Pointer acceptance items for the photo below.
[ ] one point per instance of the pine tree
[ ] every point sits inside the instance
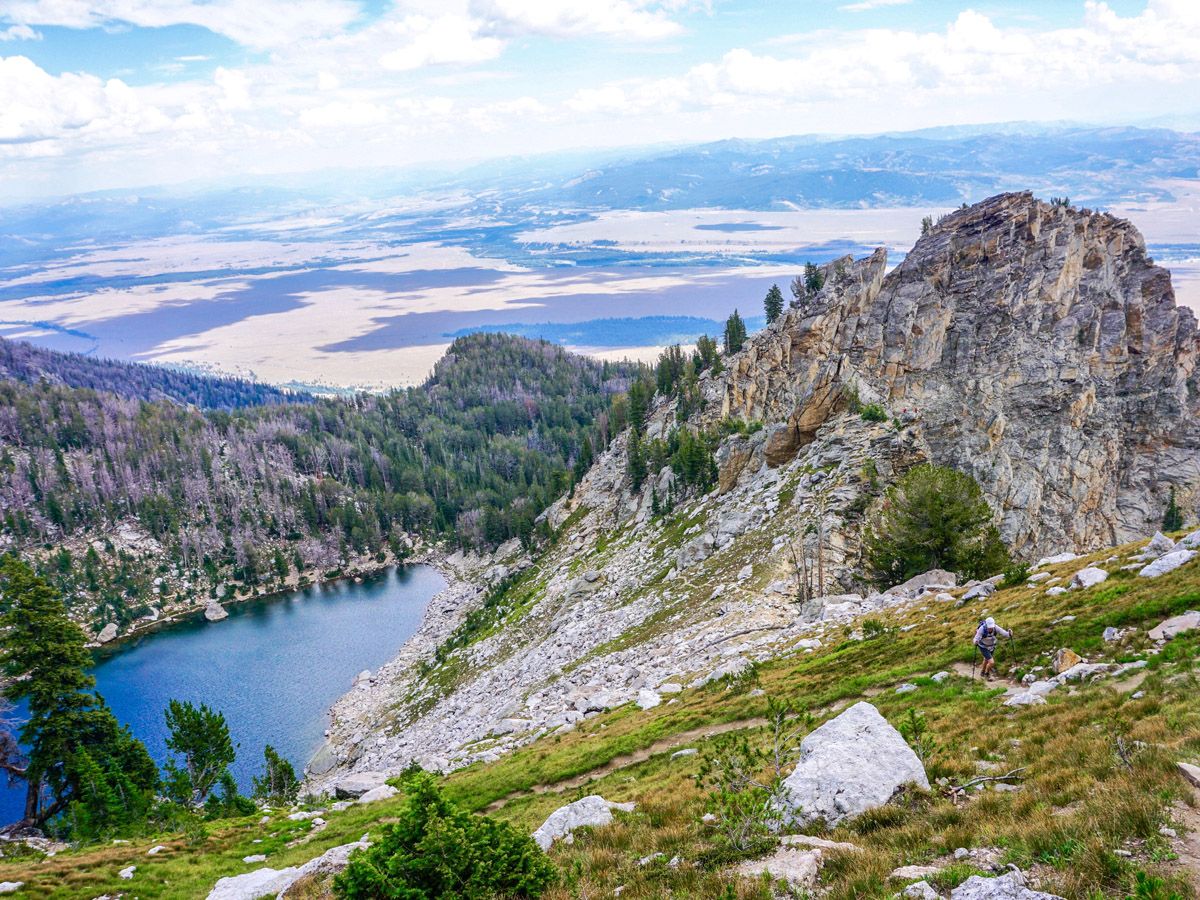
(278, 783)
(814, 278)
(1173, 518)
(637, 461)
(76, 749)
(773, 303)
(735, 333)
(201, 738)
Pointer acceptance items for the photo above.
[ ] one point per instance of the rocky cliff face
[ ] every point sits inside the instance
(1035, 346)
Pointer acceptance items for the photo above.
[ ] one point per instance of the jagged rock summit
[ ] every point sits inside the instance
(1036, 346)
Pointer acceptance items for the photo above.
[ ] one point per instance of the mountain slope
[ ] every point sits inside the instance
(1033, 345)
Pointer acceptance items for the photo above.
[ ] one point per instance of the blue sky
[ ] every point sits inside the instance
(115, 93)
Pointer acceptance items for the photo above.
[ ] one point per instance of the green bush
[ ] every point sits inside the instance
(873, 412)
(1015, 575)
(933, 518)
(437, 850)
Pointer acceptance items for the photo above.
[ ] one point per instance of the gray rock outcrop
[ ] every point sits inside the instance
(1009, 886)
(853, 763)
(1037, 347)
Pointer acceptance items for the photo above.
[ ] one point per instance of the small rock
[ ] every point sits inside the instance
(1010, 886)
(906, 688)
(1190, 772)
(1065, 659)
(983, 589)
(11, 887)
(127, 872)
(1039, 577)
(921, 890)
(1168, 832)
(908, 873)
(939, 677)
(1055, 591)
(689, 751)
(648, 699)
(962, 853)
(155, 850)
(254, 858)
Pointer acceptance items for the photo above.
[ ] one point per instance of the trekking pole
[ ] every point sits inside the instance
(974, 656)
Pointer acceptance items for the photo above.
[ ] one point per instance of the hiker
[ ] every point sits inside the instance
(986, 637)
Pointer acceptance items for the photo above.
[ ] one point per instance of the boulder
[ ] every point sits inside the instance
(933, 578)
(799, 868)
(591, 811)
(215, 612)
(1055, 560)
(1055, 591)
(782, 442)
(1190, 772)
(383, 792)
(276, 882)
(1039, 577)
(255, 858)
(127, 873)
(908, 873)
(1167, 629)
(1065, 659)
(1086, 578)
(978, 591)
(1168, 562)
(1191, 541)
(351, 787)
(733, 668)
(11, 887)
(921, 890)
(324, 760)
(107, 633)
(854, 762)
(1159, 545)
(1009, 886)
(648, 699)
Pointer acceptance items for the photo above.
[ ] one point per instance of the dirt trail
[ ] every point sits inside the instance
(965, 670)
(1188, 845)
(675, 741)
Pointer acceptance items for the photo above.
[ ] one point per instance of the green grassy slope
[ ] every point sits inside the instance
(1098, 782)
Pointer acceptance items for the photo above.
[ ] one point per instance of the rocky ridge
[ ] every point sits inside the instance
(1035, 346)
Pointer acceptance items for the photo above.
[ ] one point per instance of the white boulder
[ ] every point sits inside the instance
(383, 792)
(107, 633)
(852, 763)
(592, 811)
(1089, 577)
(1168, 562)
(648, 699)
(215, 612)
(1159, 545)
(11, 887)
(799, 868)
(1055, 559)
(1009, 886)
(275, 882)
(983, 589)
(1167, 629)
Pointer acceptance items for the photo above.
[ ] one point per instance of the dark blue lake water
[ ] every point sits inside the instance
(274, 667)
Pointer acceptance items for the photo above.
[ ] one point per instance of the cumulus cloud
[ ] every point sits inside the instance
(38, 106)
(972, 56)
(867, 5)
(262, 24)
(424, 41)
(635, 19)
(19, 33)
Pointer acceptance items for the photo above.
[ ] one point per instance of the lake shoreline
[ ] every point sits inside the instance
(431, 557)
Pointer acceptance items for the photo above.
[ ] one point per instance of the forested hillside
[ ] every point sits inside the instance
(26, 363)
(259, 495)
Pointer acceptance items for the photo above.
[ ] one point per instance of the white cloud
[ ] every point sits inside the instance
(634, 19)
(354, 114)
(19, 33)
(37, 106)
(262, 24)
(425, 41)
(867, 5)
(971, 57)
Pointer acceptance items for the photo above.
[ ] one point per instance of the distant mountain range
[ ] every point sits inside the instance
(1094, 166)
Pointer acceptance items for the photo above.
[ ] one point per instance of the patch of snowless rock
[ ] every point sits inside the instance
(592, 811)
(854, 762)
(276, 882)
